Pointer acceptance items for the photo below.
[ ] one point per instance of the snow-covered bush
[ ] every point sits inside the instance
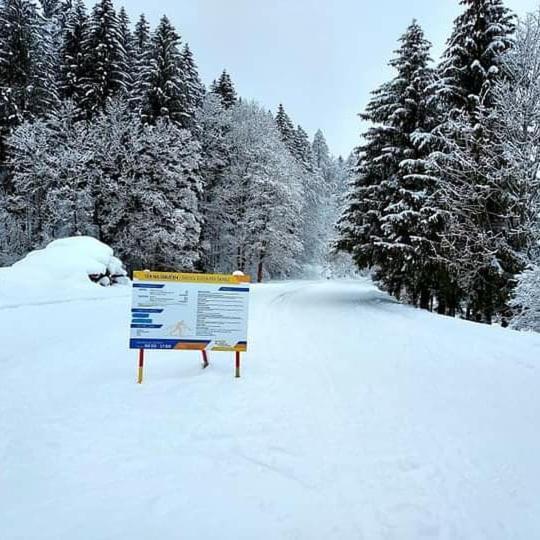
(526, 301)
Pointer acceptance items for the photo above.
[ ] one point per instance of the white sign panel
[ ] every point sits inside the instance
(189, 311)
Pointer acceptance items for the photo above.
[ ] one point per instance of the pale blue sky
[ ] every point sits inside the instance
(321, 58)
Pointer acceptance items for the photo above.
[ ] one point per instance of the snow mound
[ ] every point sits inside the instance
(68, 268)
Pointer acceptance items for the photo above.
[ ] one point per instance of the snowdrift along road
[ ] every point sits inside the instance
(356, 418)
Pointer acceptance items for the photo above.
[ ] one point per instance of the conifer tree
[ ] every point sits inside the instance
(388, 218)
(410, 220)
(164, 86)
(214, 123)
(313, 189)
(141, 44)
(72, 54)
(55, 13)
(320, 150)
(471, 61)
(105, 58)
(27, 82)
(224, 87)
(141, 35)
(474, 204)
(127, 41)
(193, 87)
(330, 191)
(286, 129)
(302, 149)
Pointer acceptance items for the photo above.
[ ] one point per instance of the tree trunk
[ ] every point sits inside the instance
(441, 307)
(424, 299)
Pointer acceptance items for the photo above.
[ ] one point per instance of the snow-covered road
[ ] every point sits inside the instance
(355, 418)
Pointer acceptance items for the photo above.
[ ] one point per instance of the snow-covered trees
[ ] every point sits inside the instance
(147, 189)
(136, 187)
(518, 120)
(127, 42)
(27, 85)
(105, 61)
(194, 89)
(318, 178)
(327, 201)
(108, 130)
(163, 85)
(471, 61)
(51, 195)
(134, 151)
(444, 202)
(72, 54)
(526, 299)
(253, 209)
(478, 245)
(389, 221)
(169, 82)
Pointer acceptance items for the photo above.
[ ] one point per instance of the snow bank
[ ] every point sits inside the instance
(62, 271)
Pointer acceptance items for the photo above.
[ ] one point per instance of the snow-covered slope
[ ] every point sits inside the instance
(356, 418)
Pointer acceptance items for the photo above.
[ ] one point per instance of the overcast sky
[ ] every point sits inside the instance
(321, 58)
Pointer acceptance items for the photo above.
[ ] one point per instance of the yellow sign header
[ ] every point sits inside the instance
(143, 275)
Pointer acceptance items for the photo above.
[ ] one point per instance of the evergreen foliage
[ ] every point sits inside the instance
(105, 62)
(164, 87)
(390, 221)
(72, 54)
(224, 87)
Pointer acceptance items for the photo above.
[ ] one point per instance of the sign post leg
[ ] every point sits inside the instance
(141, 366)
(205, 362)
(237, 364)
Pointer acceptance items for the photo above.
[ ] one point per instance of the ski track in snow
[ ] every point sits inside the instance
(355, 418)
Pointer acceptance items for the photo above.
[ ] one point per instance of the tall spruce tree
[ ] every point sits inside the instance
(141, 34)
(330, 190)
(302, 149)
(315, 199)
(164, 87)
(471, 62)
(410, 219)
(55, 13)
(387, 223)
(224, 87)
(72, 54)
(141, 44)
(105, 61)
(320, 150)
(471, 196)
(313, 190)
(27, 77)
(286, 129)
(127, 40)
(193, 87)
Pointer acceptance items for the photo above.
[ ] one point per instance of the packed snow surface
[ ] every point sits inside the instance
(58, 272)
(355, 418)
